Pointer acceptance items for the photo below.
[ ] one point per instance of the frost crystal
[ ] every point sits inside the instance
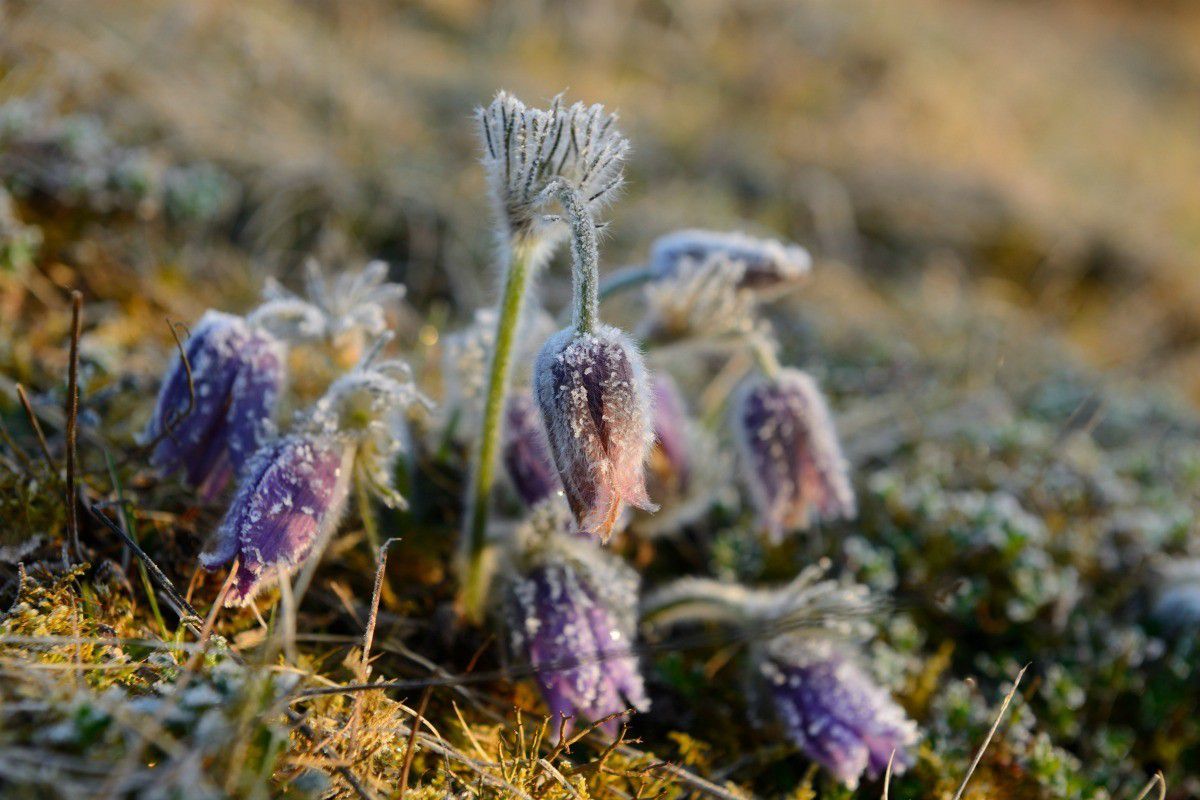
(833, 710)
(237, 373)
(569, 609)
(593, 393)
(790, 457)
(526, 148)
(526, 456)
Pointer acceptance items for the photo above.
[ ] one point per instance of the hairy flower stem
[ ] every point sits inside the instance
(585, 260)
(763, 350)
(473, 554)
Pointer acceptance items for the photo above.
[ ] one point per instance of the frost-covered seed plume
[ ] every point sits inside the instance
(791, 460)
(527, 148)
(237, 373)
(705, 302)
(294, 491)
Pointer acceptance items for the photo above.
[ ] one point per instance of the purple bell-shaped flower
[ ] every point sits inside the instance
(833, 710)
(237, 372)
(593, 393)
(569, 609)
(526, 456)
(790, 456)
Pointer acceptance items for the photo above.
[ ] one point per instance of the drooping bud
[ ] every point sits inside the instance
(791, 459)
(208, 430)
(593, 393)
(760, 263)
(569, 611)
(526, 455)
(294, 490)
(289, 503)
(833, 710)
(670, 461)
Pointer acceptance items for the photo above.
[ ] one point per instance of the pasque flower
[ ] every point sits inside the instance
(791, 460)
(294, 490)
(208, 431)
(757, 264)
(832, 709)
(803, 665)
(569, 610)
(526, 455)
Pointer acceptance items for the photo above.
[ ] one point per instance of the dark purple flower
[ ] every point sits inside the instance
(290, 500)
(237, 373)
(763, 263)
(525, 451)
(832, 709)
(593, 393)
(574, 624)
(791, 460)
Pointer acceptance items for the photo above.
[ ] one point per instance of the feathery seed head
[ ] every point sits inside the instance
(764, 263)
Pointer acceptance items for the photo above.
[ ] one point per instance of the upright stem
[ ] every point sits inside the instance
(763, 349)
(474, 557)
(585, 260)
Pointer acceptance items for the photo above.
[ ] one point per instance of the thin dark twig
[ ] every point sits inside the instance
(72, 412)
(37, 427)
(411, 750)
(176, 417)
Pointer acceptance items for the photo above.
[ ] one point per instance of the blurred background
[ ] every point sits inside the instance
(1042, 153)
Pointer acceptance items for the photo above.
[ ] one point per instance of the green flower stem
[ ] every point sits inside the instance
(585, 259)
(370, 525)
(474, 558)
(763, 350)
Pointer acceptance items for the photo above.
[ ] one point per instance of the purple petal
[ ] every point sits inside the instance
(525, 451)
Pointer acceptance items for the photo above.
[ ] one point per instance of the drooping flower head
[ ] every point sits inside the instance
(832, 709)
(593, 393)
(209, 430)
(757, 264)
(687, 471)
(526, 453)
(527, 148)
(803, 666)
(569, 610)
(294, 490)
(791, 459)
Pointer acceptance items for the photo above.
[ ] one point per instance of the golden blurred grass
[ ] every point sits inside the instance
(1047, 149)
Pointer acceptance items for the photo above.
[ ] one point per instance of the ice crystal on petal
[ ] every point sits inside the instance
(526, 148)
(237, 373)
(593, 393)
(791, 459)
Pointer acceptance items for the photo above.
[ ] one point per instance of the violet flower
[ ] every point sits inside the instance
(526, 457)
(790, 456)
(833, 710)
(294, 490)
(237, 373)
(569, 610)
(592, 390)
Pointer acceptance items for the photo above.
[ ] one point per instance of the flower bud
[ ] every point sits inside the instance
(592, 390)
(833, 710)
(790, 457)
(291, 498)
(760, 263)
(237, 372)
(670, 461)
(525, 452)
(570, 611)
